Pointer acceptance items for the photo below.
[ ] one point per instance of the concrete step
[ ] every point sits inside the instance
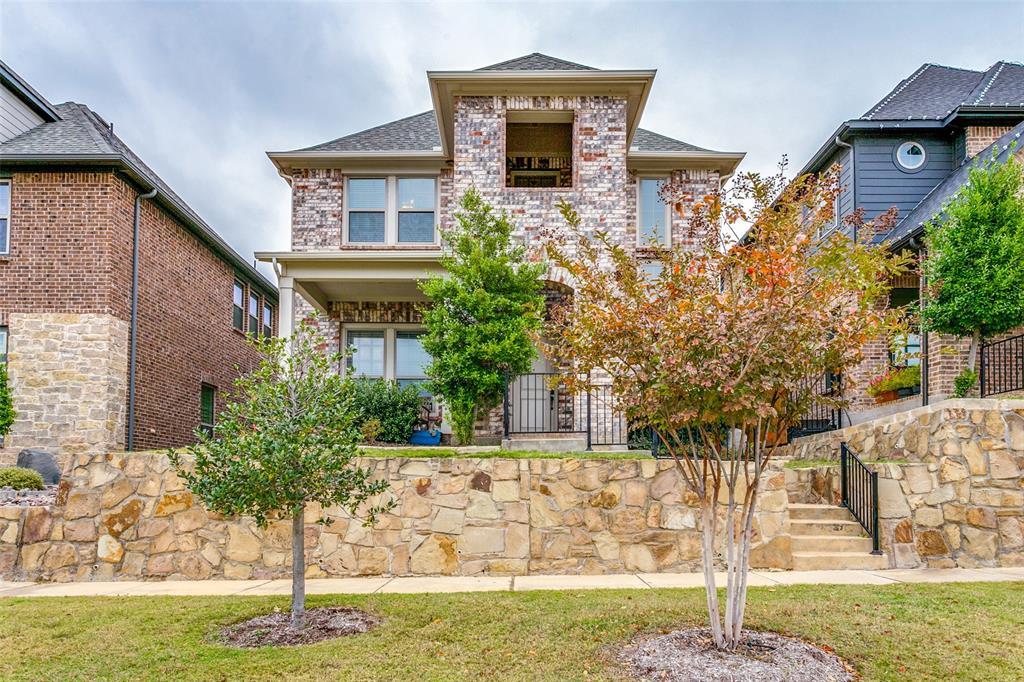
(555, 442)
(819, 512)
(831, 543)
(828, 527)
(818, 561)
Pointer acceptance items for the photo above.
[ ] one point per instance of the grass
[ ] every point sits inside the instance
(894, 632)
(437, 451)
(812, 463)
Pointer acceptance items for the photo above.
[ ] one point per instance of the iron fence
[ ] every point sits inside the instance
(820, 417)
(1002, 366)
(859, 485)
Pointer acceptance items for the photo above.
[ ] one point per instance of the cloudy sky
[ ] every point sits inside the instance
(202, 90)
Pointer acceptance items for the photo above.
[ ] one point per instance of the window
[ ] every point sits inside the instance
(538, 149)
(910, 156)
(268, 320)
(652, 213)
(238, 307)
(5, 216)
(367, 356)
(367, 200)
(207, 408)
(416, 210)
(907, 352)
(3, 345)
(410, 359)
(254, 314)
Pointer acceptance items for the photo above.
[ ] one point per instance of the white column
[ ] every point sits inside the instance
(286, 307)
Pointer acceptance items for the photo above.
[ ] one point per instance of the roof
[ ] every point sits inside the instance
(536, 61)
(82, 135)
(934, 203)
(26, 93)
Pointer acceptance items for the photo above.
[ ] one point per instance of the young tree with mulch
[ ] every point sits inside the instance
(713, 352)
(975, 263)
(482, 313)
(287, 438)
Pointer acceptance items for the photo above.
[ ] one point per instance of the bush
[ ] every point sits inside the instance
(6, 404)
(20, 478)
(396, 409)
(964, 382)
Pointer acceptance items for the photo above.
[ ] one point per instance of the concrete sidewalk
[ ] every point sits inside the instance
(416, 584)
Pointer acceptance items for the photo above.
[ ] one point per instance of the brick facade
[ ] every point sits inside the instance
(978, 138)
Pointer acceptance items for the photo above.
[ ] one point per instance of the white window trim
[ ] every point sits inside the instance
(390, 338)
(643, 243)
(911, 169)
(5, 246)
(391, 209)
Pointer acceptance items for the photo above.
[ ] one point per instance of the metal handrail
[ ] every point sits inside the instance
(1001, 366)
(859, 484)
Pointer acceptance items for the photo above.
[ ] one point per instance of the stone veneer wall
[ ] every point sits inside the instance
(68, 375)
(128, 516)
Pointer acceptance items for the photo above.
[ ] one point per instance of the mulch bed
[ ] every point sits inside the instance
(274, 629)
(691, 656)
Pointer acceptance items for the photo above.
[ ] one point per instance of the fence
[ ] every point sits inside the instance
(859, 485)
(1002, 366)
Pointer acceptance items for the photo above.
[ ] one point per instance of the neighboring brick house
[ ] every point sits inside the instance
(526, 134)
(913, 150)
(69, 190)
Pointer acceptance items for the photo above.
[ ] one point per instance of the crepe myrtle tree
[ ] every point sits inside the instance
(975, 259)
(286, 438)
(713, 346)
(482, 315)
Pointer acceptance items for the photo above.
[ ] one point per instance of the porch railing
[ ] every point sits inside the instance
(1002, 366)
(859, 485)
(820, 417)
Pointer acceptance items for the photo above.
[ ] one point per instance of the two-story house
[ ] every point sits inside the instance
(913, 150)
(122, 313)
(526, 133)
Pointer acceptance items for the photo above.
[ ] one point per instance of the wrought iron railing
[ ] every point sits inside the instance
(539, 403)
(820, 417)
(859, 485)
(1002, 366)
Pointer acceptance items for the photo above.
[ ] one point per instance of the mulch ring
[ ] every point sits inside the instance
(691, 656)
(275, 629)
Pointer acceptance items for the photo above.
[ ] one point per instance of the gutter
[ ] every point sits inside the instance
(853, 183)
(133, 334)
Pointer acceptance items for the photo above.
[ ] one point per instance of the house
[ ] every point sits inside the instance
(122, 313)
(526, 133)
(913, 150)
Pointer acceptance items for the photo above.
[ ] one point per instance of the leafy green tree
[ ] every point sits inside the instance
(6, 403)
(286, 438)
(483, 314)
(975, 264)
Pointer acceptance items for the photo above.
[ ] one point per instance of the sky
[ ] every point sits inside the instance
(202, 90)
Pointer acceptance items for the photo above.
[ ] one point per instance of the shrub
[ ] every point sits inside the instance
(20, 478)
(964, 382)
(370, 430)
(395, 409)
(895, 379)
(6, 404)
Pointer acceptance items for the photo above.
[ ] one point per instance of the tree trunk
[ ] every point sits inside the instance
(298, 569)
(972, 357)
(708, 560)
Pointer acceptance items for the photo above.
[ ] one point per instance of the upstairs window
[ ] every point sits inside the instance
(207, 408)
(391, 210)
(910, 156)
(367, 201)
(538, 149)
(268, 320)
(238, 307)
(416, 210)
(652, 213)
(254, 314)
(5, 216)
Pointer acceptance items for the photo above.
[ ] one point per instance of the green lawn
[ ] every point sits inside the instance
(895, 632)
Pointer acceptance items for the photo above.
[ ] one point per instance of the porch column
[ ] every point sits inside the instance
(286, 307)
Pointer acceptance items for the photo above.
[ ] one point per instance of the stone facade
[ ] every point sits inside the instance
(129, 517)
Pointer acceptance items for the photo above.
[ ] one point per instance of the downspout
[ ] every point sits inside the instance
(853, 184)
(133, 334)
(923, 284)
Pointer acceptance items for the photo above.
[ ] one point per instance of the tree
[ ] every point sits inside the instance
(975, 263)
(482, 315)
(286, 438)
(7, 413)
(713, 349)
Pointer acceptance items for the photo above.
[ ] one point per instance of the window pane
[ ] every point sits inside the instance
(3, 345)
(366, 227)
(268, 320)
(206, 405)
(366, 193)
(3, 235)
(5, 199)
(651, 212)
(416, 227)
(368, 358)
(410, 358)
(238, 297)
(416, 193)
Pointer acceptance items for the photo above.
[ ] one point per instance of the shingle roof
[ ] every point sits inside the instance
(82, 132)
(935, 201)
(537, 62)
(934, 91)
(648, 141)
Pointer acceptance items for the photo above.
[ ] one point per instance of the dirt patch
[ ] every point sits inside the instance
(691, 656)
(274, 629)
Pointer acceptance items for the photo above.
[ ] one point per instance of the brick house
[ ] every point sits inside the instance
(526, 133)
(72, 195)
(913, 150)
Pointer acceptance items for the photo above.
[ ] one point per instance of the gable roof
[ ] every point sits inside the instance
(81, 135)
(934, 203)
(26, 93)
(535, 61)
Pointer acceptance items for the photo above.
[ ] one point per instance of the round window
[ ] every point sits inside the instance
(910, 155)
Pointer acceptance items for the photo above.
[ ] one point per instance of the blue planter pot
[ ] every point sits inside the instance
(425, 438)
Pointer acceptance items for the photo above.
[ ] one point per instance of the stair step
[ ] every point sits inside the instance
(831, 543)
(825, 527)
(818, 561)
(819, 512)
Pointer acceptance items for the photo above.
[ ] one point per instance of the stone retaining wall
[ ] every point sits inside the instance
(128, 516)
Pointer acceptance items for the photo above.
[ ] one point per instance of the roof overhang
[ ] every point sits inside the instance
(445, 86)
(392, 161)
(27, 94)
(723, 162)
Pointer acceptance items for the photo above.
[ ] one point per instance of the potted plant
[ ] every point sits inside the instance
(894, 383)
